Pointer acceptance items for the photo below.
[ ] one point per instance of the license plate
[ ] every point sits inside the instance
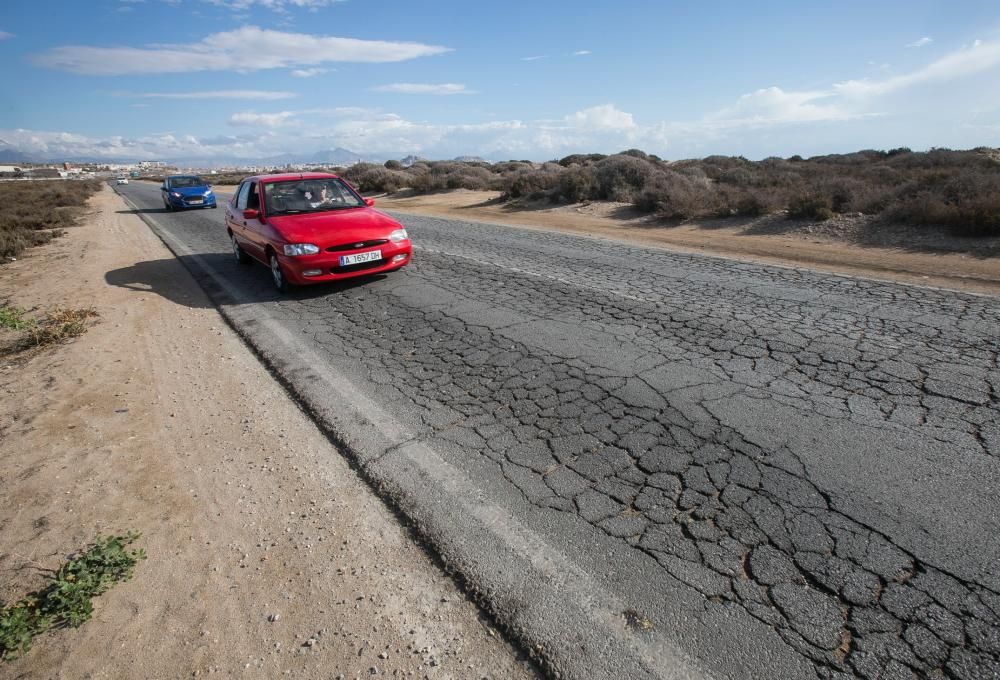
(195, 201)
(358, 258)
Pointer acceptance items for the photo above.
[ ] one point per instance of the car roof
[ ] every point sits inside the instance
(278, 177)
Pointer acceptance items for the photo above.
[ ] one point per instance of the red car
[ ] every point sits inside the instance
(312, 227)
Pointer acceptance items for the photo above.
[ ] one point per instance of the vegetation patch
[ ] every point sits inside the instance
(54, 326)
(68, 599)
(941, 188)
(34, 212)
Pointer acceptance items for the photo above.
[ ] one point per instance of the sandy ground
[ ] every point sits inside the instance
(159, 419)
(848, 245)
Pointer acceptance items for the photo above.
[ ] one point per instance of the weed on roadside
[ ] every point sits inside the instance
(56, 325)
(12, 318)
(60, 324)
(67, 600)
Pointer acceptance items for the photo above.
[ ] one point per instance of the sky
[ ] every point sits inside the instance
(220, 80)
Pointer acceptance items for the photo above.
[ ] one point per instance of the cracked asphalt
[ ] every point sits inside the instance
(787, 473)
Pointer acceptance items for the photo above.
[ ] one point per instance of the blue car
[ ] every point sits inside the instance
(186, 191)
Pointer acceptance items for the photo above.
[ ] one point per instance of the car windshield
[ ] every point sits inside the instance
(186, 182)
(309, 195)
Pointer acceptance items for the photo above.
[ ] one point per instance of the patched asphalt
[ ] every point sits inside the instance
(783, 473)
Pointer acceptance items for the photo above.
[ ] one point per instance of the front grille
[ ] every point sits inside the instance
(357, 267)
(356, 245)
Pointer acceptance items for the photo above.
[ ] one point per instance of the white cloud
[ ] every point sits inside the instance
(605, 117)
(921, 42)
(772, 105)
(264, 95)
(308, 72)
(157, 145)
(981, 56)
(4, 35)
(245, 49)
(251, 118)
(581, 53)
(424, 88)
(534, 58)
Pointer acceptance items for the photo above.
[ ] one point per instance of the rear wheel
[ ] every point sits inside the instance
(238, 252)
(278, 275)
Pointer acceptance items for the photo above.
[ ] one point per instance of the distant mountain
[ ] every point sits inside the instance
(470, 159)
(8, 154)
(338, 156)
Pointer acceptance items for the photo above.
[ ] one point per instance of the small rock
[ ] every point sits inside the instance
(274, 617)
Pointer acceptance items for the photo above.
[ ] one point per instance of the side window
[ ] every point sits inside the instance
(241, 197)
(253, 201)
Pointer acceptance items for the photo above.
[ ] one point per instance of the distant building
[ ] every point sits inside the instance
(44, 173)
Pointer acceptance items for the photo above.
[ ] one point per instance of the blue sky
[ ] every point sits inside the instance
(223, 79)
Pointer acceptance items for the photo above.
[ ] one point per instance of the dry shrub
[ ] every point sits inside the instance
(33, 212)
(622, 178)
(59, 325)
(576, 184)
(675, 196)
(810, 207)
(533, 184)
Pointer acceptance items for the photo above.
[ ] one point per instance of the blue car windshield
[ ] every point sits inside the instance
(309, 195)
(186, 182)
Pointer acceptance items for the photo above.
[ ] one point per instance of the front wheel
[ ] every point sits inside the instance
(238, 252)
(278, 275)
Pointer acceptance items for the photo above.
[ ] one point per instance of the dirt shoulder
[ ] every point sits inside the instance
(159, 419)
(847, 245)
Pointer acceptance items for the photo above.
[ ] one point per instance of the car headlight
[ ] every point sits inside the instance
(208, 193)
(175, 194)
(398, 236)
(301, 249)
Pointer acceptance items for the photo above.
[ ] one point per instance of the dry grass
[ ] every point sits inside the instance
(35, 212)
(59, 324)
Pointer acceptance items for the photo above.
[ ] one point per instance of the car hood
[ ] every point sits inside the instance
(334, 227)
(191, 191)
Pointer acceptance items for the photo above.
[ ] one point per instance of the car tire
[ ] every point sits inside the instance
(166, 204)
(238, 252)
(281, 283)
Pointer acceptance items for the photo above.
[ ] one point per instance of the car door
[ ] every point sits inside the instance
(253, 228)
(234, 215)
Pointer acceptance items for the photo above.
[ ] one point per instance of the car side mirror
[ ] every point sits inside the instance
(250, 214)
(163, 186)
(369, 202)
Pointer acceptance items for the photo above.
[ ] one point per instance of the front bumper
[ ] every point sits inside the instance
(192, 201)
(327, 264)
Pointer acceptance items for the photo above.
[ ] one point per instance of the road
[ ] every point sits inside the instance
(651, 464)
